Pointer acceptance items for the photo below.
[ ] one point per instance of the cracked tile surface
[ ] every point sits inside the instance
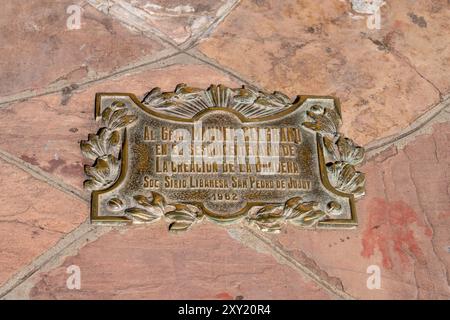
(33, 217)
(312, 47)
(403, 225)
(416, 31)
(40, 51)
(176, 20)
(160, 265)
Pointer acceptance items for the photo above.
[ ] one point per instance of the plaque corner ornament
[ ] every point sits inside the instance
(133, 180)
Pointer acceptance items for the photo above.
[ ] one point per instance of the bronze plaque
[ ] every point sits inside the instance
(222, 154)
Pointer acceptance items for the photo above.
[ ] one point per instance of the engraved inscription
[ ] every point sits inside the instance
(222, 154)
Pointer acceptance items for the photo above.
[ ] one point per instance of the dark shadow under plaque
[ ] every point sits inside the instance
(136, 177)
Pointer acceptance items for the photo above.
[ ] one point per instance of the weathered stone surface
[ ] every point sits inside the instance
(315, 47)
(404, 225)
(417, 31)
(46, 131)
(33, 217)
(38, 50)
(177, 20)
(385, 79)
(150, 263)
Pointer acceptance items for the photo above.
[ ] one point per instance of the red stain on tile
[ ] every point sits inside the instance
(224, 296)
(391, 229)
(32, 160)
(75, 169)
(53, 164)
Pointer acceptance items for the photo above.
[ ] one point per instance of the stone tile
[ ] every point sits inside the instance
(33, 217)
(315, 47)
(418, 32)
(150, 263)
(176, 20)
(404, 224)
(46, 131)
(38, 50)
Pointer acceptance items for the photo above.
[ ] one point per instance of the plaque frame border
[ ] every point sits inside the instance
(96, 218)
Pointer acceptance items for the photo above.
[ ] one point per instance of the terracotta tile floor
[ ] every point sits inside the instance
(393, 82)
